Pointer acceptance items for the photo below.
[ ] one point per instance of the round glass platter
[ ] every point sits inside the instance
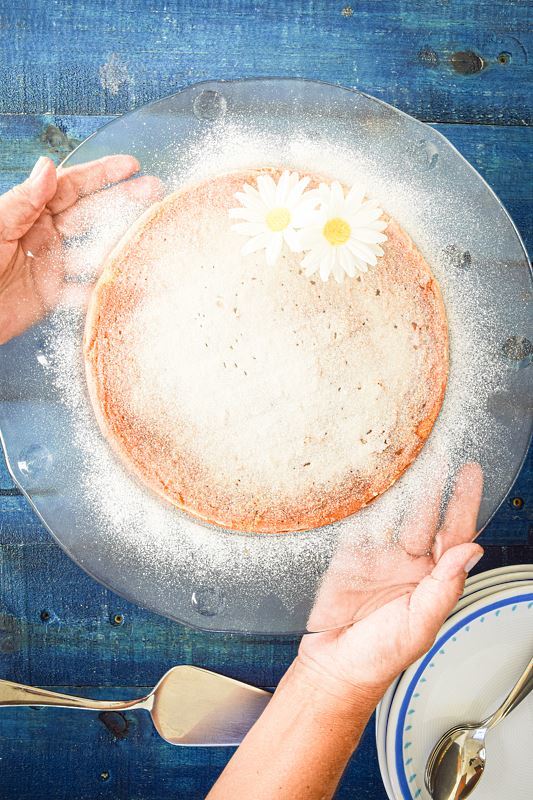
(215, 579)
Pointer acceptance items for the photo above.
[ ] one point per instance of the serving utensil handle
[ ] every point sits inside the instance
(16, 694)
(519, 692)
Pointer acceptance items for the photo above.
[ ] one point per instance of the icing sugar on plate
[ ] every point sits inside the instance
(267, 583)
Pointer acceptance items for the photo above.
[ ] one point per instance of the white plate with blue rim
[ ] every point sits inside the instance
(383, 709)
(382, 716)
(498, 575)
(477, 657)
(476, 587)
(480, 590)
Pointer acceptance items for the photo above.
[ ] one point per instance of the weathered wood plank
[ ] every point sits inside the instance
(449, 61)
(134, 765)
(128, 761)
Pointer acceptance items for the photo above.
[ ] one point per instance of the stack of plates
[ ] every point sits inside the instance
(479, 653)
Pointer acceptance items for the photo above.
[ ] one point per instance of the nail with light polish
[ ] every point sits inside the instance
(39, 166)
(473, 561)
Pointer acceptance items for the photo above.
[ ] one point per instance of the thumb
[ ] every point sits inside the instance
(436, 595)
(22, 205)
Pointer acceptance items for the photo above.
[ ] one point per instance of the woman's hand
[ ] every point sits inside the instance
(34, 218)
(300, 745)
(368, 655)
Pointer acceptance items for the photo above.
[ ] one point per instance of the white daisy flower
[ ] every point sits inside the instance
(344, 235)
(273, 213)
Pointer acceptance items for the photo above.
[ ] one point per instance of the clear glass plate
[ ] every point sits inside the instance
(214, 579)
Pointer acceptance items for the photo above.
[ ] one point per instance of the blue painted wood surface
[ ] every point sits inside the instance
(64, 68)
(106, 57)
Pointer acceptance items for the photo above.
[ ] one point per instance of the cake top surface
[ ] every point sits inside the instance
(255, 396)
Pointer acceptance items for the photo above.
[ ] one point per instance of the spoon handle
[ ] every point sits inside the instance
(519, 692)
(16, 694)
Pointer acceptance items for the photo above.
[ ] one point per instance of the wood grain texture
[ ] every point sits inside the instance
(108, 57)
(89, 756)
(65, 68)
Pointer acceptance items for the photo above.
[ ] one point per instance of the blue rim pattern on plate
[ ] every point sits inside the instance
(428, 658)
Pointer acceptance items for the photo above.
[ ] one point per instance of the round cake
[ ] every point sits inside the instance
(253, 396)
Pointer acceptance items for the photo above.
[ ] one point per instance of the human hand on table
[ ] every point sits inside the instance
(36, 217)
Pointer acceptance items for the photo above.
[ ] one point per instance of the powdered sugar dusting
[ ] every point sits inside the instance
(268, 582)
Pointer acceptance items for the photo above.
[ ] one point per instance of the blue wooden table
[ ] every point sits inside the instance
(65, 68)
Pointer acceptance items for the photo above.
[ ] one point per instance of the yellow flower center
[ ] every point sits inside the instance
(336, 231)
(277, 219)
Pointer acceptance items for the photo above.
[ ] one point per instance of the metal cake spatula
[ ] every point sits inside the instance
(189, 705)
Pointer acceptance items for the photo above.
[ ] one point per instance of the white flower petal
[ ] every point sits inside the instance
(267, 189)
(249, 214)
(249, 201)
(337, 195)
(368, 235)
(338, 272)
(347, 261)
(311, 237)
(282, 189)
(327, 263)
(257, 243)
(324, 193)
(249, 228)
(303, 217)
(361, 265)
(273, 248)
(308, 203)
(293, 240)
(362, 251)
(248, 193)
(296, 191)
(312, 259)
(355, 196)
(366, 216)
(294, 177)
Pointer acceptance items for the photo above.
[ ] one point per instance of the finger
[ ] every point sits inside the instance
(418, 529)
(22, 205)
(81, 216)
(436, 595)
(460, 522)
(84, 179)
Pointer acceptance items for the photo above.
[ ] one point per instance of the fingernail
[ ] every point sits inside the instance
(473, 561)
(38, 168)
